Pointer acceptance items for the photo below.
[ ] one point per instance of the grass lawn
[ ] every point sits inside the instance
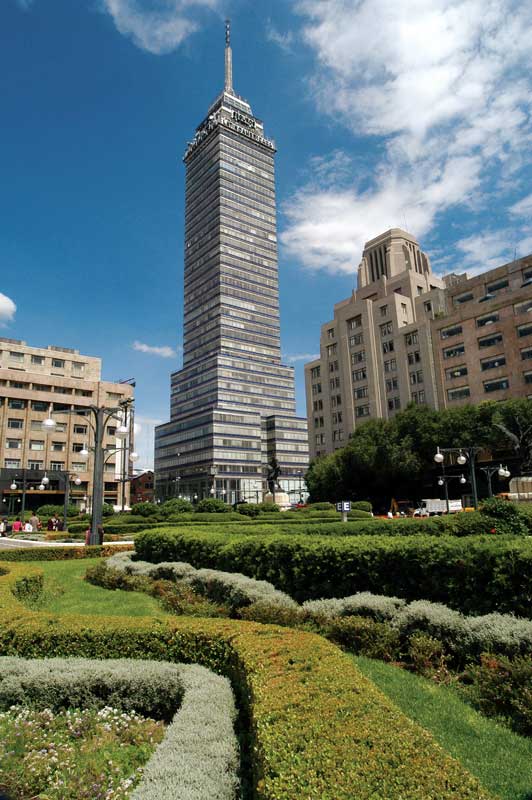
(67, 593)
(499, 758)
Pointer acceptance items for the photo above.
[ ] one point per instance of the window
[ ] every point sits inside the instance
(12, 463)
(384, 310)
(333, 366)
(386, 329)
(42, 387)
(454, 330)
(360, 374)
(496, 386)
(459, 393)
(411, 338)
(60, 427)
(332, 350)
(58, 363)
(359, 357)
(362, 411)
(523, 308)
(81, 429)
(463, 298)
(318, 422)
(15, 423)
(78, 367)
(497, 286)
(358, 338)
(330, 333)
(414, 357)
(79, 466)
(338, 436)
(18, 385)
(488, 319)
(114, 396)
(388, 347)
(57, 466)
(316, 388)
(35, 464)
(336, 400)
(524, 330)
(456, 372)
(393, 403)
(418, 397)
(526, 354)
(315, 372)
(392, 384)
(15, 356)
(318, 406)
(391, 365)
(428, 306)
(13, 444)
(361, 392)
(355, 322)
(336, 418)
(490, 341)
(39, 405)
(38, 360)
(36, 444)
(14, 403)
(416, 377)
(493, 363)
(319, 438)
(58, 447)
(334, 383)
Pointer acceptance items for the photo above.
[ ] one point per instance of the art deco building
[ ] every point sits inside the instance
(232, 405)
(407, 335)
(38, 381)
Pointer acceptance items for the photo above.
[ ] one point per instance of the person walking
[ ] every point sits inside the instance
(3, 527)
(35, 523)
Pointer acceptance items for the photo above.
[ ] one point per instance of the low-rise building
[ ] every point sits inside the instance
(36, 382)
(141, 487)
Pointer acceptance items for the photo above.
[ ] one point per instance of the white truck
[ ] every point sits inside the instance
(432, 506)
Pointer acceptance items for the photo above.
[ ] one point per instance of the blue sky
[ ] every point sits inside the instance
(414, 114)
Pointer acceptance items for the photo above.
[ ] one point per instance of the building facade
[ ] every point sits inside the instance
(142, 488)
(376, 353)
(407, 335)
(483, 345)
(233, 403)
(36, 382)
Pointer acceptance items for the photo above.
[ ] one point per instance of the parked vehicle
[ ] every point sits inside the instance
(431, 506)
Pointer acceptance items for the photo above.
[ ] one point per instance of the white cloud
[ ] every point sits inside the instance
(158, 26)
(164, 351)
(7, 310)
(144, 440)
(523, 208)
(490, 249)
(283, 40)
(443, 84)
(292, 359)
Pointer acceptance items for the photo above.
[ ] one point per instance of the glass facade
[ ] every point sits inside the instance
(232, 382)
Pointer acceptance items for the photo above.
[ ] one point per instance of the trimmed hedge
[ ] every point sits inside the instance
(477, 574)
(62, 553)
(318, 728)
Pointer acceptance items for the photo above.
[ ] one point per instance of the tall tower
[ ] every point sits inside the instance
(232, 405)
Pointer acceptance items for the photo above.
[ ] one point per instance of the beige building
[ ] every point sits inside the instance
(376, 353)
(408, 336)
(36, 382)
(483, 345)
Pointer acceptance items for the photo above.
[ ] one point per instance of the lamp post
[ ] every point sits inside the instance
(465, 455)
(101, 416)
(443, 480)
(489, 472)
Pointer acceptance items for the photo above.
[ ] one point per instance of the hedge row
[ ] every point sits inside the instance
(61, 553)
(318, 728)
(475, 575)
(199, 751)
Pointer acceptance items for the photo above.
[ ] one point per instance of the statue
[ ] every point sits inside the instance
(274, 470)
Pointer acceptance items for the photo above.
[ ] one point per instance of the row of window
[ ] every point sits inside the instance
(16, 357)
(42, 387)
(53, 466)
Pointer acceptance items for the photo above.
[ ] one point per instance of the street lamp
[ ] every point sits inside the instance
(465, 455)
(489, 472)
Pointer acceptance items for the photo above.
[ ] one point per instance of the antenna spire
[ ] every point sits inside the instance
(228, 58)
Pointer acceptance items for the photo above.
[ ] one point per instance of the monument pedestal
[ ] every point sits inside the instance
(521, 489)
(281, 499)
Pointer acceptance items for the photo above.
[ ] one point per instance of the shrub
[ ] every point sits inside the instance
(273, 614)
(426, 654)
(321, 506)
(248, 509)
(475, 575)
(365, 637)
(316, 726)
(363, 604)
(176, 506)
(362, 505)
(500, 687)
(211, 505)
(145, 509)
(49, 510)
(505, 514)
(268, 508)
(107, 510)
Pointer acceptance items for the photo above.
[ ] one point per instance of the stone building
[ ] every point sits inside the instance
(36, 382)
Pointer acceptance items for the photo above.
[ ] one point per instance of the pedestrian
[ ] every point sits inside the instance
(390, 515)
(3, 527)
(87, 537)
(60, 524)
(101, 533)
(35, 523)
(50, 524)
(27, 527)
(17, 525)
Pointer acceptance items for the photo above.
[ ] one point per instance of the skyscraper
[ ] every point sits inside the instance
(232, 405)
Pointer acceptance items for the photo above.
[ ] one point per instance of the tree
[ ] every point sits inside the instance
(513, 420)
